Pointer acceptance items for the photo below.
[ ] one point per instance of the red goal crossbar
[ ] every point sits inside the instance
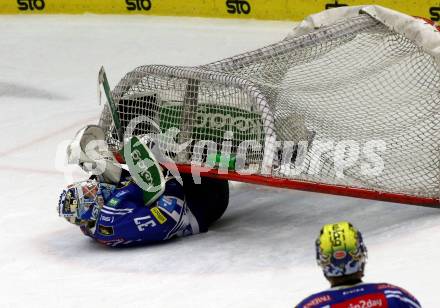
(339, 190)
(313, 186)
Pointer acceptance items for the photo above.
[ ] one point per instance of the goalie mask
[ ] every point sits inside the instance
(340, 250)
(82, 201)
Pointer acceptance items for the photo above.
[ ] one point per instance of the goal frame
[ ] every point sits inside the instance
(421, 33)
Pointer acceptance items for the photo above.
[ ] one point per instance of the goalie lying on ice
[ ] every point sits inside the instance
(115, 213)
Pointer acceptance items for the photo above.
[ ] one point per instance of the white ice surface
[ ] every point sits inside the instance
(260, 254)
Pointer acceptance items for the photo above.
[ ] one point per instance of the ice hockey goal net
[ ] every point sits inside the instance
(361, 99)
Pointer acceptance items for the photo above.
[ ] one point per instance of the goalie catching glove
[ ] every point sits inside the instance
(90, 151)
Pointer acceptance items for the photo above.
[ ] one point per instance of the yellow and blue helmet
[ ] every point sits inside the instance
(340, 250)
(82, 200)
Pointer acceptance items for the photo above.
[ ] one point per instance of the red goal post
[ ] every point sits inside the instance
(312, 186)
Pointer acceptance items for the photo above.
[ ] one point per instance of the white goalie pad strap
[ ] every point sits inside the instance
(89, 150)
(419, 31)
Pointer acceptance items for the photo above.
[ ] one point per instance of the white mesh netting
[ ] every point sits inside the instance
(363, 99)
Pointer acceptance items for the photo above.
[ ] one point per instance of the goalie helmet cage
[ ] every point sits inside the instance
(342, 83)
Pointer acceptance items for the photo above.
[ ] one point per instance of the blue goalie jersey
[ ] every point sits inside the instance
(124, 220)
(362, 295)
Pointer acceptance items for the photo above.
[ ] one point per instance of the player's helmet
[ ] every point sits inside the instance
(81, 201)
(340, 250)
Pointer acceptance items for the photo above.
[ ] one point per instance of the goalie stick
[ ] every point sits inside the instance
(103, 82)
(141, 163)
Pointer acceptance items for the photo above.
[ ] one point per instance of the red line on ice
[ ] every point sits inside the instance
(30, 170)
(45, 137)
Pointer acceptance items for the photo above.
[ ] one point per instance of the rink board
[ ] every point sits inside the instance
(245, 9)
